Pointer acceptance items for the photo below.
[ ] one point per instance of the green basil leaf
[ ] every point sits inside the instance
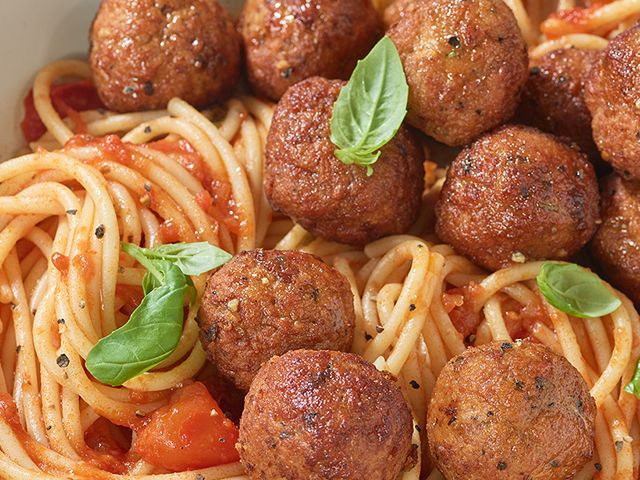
(575, 290)
(371, 106)
(633, 387)
(191, 258)
(151, 334)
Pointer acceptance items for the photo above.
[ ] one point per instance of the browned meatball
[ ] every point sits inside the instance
(318, 415)
(518, 194)
(287, 41)
(144, 53)
(510, 411)
(466, 63)
(554, 95)
(396, 10)
(304, 179)
(267, 302)
(613, 97)
(616, 244)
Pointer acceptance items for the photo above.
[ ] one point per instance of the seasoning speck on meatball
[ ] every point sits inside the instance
(466, 63)
(304, 179)
(291, 40)
(144, 53)
(616, 244)
(266, 302)
(512, 411)
(518, 194)
(318, 415)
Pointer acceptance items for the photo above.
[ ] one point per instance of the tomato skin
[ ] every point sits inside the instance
(185, 435)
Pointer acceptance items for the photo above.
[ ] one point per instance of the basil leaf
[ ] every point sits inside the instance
(190, 258)
(633, 387)
(575, 290)
(151, 334)
(371, 106)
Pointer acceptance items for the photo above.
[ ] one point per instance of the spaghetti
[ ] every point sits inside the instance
(148, 178)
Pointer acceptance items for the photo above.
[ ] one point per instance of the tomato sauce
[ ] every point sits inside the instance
(573, 20)
(68, 99)
(459, 302)
(61, 262)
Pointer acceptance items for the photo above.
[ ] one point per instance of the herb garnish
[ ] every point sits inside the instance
(633, 387)
(575, 290)
(371, 107)
(154, 328)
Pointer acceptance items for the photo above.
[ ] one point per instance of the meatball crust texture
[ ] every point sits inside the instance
(613, 97)
(510, 411)
(315, 415)
(518, 192)
(305, 180)
(143, 53)
(553, 99)
(287, 41)
(466, 64)
(264, 303)
(616, 244)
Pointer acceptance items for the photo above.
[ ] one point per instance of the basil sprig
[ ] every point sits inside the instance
(154, 328)
(575, 290)
(633, 387)
(371, 107)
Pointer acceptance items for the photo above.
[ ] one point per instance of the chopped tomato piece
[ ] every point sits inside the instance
(68, 99)
(191, 432)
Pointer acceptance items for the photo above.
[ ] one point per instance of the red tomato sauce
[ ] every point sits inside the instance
(459, 303)
(68, 99)
(573, 20)
(190, 432)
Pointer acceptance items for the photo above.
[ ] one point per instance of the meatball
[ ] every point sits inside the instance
(304, 179)
(466, 64)
(396, 10)
(518, 194)
(144, 53)
(554, 96)
(613, 97)
(290, 40)
(616, 244)
(266, 302)
(510, 410)
(322, 415)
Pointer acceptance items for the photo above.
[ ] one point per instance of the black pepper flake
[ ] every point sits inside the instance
(315, 294)
(13, 306)
(72, 211)
(62, 361)
(140, 414)
(540, 383)
(128, 90)
(367, 336)
(309, 418)
(535, 71)
(502, 466)
(619, 445)
(99, 231)
(199, 476)
(147, 129)
(414, 384)
(452, 420)
(598, 467)
(61, 321)
(551, 404)
(222, 439)
(454, 42)
(519, 384)
(286, 73)
(467, 164)
(555, 463)
(18, 348)
(506, 346)
(379, 329)
(412, 307)
(418, 429)
(48, 427)
(148, 88)
(489, 413)
(500, 39)
(580, 407)
(147, 187)
(211, 332)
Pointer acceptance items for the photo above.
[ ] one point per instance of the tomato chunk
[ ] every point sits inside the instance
(191, 432)
(67, 99)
